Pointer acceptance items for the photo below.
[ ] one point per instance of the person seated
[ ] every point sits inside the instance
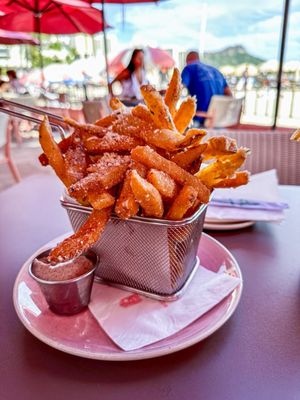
(14, 82)
(203, 81)
(132, 77)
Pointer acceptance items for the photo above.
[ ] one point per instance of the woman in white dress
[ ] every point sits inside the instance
(132, 77)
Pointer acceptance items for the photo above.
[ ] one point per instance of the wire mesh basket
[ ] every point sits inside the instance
(154, 257)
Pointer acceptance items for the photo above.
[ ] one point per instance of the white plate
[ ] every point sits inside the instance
(227, 226)
(81, 335)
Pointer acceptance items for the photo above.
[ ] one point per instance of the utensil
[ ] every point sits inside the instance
(9, 107)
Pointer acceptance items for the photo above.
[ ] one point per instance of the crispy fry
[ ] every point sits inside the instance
(63, 145)
(108, 172)
(52, 151)
(126, 204)
(163, 183)
(185, 113)
(187, 157)
(159, 111)
(130, 125)
(146, 195)
(85, 237)
(192, 136)
(101, 200)
(296, 136)
(182, 203)
(219, 146)
(152, 159)
(173, 92)
(142, 112)
(223, 168)
(116, 104)
(75, 162)
(107, 121)
(111, 142)
(240, 178)
(88, 128)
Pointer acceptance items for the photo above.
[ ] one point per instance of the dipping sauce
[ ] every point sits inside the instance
(42, 269)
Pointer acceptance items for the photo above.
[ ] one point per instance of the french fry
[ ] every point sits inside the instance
(186, 158)
(116, 104)
(182, 203)
(130, 125)
(101, 200)
(93, 130)
(126, 204)
(163, 183)
(185, 114)
(240, 178)
(75, 162)
(108, 172)
(63, 145)
(152, 159)
(52, 151)
(84, 238)
(173, 92)
(159, 111)
(142, 112)
(223, 168)
(219, 146)
(146, 195)
(296, 136)
(106, 121)
(111, 142)
(193, 136)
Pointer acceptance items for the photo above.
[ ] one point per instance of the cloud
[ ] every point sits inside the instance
(176, 24)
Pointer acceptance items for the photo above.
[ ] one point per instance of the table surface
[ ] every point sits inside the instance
(255, 355)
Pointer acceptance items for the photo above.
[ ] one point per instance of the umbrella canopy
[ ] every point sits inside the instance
(153, 56)
(269, 66)
(251, 69)
(50, 16)
(9, 38)
(227, 69)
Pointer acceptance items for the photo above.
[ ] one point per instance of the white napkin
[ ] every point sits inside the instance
(262, 187)
(133, 321)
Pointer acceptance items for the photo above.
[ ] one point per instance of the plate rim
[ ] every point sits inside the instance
(228, 226)
(136, 354)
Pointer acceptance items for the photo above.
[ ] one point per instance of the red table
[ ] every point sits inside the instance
(255, 355)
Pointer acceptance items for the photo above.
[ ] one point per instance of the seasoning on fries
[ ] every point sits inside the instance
(143, 161)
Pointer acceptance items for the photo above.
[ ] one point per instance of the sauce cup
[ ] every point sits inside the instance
(70, 296)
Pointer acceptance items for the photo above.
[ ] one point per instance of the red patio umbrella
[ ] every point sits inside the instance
(50, 16)
(156, 56)
(9, 38)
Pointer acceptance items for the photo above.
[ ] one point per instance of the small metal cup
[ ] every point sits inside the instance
(69, 296)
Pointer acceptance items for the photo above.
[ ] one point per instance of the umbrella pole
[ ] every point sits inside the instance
(37, 28)
(105, 51)
(281, 57)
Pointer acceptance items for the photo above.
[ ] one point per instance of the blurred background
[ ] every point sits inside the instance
(241, 38)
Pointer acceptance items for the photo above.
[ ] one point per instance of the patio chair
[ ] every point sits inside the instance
(223, 111)
(5, 141)
(269, 150)
(95, 109)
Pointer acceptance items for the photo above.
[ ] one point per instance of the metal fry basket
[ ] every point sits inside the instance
(153, 257)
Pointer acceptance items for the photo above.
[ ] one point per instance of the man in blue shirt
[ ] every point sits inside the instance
(203, 81)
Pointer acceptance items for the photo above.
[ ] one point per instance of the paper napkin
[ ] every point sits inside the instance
(133, 321)
(263, 188)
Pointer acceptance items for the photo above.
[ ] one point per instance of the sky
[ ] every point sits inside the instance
(207, 25)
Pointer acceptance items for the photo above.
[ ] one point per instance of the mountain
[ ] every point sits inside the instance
(234, 55)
